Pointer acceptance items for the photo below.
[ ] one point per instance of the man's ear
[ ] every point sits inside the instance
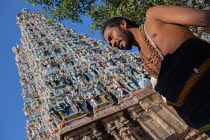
(123, 24)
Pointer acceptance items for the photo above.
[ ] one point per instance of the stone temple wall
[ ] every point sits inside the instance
(144, 117)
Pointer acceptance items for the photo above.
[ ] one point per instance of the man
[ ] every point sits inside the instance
(172, 54)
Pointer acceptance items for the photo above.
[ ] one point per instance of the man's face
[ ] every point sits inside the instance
(120, 38)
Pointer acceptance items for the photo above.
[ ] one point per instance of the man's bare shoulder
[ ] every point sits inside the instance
(179, 15)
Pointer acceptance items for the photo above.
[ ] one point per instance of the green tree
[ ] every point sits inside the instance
(101, 10)
(64, 9)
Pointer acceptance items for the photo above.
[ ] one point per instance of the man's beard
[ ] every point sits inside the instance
(128, 38)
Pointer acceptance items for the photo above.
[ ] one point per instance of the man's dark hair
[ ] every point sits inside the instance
(115, 22)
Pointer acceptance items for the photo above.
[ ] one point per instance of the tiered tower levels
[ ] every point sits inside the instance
(66, 76)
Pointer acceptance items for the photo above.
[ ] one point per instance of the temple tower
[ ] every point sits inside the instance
(66, 76)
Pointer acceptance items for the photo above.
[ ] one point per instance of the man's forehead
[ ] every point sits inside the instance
(107, 30)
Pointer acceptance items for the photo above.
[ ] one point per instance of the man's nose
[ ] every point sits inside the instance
(112, 43)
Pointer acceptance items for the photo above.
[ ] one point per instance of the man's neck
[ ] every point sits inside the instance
(137, 36)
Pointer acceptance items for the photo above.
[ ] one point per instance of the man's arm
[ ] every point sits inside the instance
(179, 15)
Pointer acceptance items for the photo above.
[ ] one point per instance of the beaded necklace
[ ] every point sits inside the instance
(155, 59)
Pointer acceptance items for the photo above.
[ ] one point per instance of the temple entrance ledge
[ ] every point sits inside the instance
(72, 118)
(144, 94)
(117, 108)
(80, 124)
(128, 103)
(103, 106)
(140, 92)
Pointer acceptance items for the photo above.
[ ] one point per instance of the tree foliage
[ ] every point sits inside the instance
(101, 10)
(64, 9)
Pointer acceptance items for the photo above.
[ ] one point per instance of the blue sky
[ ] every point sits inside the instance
(12, 118)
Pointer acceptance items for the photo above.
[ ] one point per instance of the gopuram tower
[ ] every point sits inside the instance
(77, 88)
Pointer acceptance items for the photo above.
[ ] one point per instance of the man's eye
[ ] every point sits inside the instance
(110, 37)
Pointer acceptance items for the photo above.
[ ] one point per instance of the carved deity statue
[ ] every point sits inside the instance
(124, 131)
(86, 138)
(97, 135)
(60, 110)
(112, 130)
(146, 106)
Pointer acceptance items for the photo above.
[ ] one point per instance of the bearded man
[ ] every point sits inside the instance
(172, 54)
